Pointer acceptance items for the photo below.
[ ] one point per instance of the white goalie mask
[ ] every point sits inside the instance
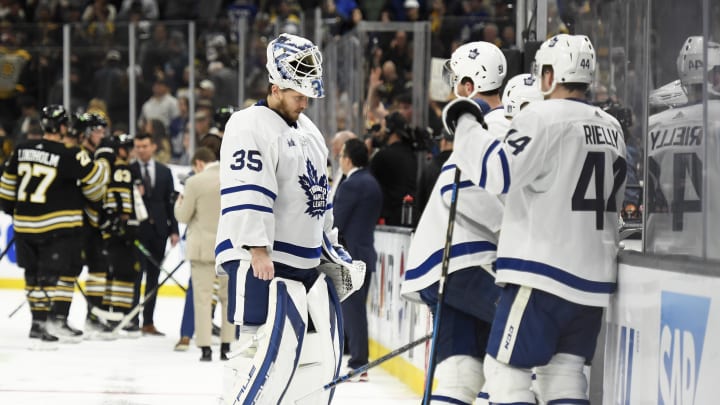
(519, 90)
(295, 63)
(481, 62)
(572, 58)
(691, 64)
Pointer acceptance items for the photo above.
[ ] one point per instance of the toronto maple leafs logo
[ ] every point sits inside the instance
(315, 189)
(473, 53)
(529, 80)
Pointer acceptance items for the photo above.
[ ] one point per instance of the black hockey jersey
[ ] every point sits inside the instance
(119, 204)
(46, 185)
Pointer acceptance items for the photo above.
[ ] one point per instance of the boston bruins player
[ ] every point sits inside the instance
(44, 187)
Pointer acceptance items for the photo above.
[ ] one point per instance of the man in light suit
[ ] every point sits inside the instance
(158, 192)
(357, 205)
(199, 208)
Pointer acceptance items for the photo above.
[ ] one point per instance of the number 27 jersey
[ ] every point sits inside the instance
(562, 166)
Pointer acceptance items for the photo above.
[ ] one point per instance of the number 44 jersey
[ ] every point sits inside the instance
(562, 166)
(683, 208)
(46, 185)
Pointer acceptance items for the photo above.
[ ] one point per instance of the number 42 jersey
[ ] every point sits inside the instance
(562, 166)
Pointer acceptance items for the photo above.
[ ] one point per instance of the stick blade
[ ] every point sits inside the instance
(107, 315)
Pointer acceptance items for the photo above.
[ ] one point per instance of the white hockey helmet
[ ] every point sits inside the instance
(295, 63)
(519, 90)
(572, 58)
(690, 62)
(482, 62)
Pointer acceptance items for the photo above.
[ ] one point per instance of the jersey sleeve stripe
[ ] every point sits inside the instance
(448, 187)
(460, 249)
(556, 274)
(252, 207)
(223, 246)
(506, 171)
(249, 187)
(93, 173)
(483, 173)
(448, 167)
(7, 194)
(300, 251)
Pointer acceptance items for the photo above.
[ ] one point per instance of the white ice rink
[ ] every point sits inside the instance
(143, 371)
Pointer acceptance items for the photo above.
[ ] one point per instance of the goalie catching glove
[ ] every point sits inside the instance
(346, 277)
(456, 109)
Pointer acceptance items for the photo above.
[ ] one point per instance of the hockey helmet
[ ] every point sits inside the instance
(222, 115)
(52, 117)
(572, 58)
(295, 63)
(117, 141)
(691, 64)
(519, 90)
(482, 62)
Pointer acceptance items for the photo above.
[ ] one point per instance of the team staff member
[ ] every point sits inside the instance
(158, 192)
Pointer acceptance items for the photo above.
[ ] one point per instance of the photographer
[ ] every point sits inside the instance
(395, 166)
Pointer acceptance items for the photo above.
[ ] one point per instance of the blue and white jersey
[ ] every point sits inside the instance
(477, 223)
(562, 168)
(475, 234)
(683, 195)
(274, 189)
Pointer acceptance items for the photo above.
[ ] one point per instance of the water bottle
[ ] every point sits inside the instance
(406, 215)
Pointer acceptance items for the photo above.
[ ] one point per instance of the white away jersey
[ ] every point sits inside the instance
(682, 218)
(274, 188)
(562, 166)
(477, 223)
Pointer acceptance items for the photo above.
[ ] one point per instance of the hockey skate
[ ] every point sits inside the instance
(95, 329)
(62, 329)
(41, 339)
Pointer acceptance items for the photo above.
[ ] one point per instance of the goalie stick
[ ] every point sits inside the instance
(362, 369)
(441, 289)
(102, 314)
(139, 307)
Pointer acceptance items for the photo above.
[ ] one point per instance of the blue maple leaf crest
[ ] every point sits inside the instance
(529, 80)
(315, 190)
(473, 53)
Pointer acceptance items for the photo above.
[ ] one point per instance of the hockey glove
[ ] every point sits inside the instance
(456, 109)
(346, 277)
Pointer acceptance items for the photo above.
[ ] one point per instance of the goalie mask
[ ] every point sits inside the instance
(520, 90)
(294, 63)
(572, 58)
(481, 62)
(691, 64)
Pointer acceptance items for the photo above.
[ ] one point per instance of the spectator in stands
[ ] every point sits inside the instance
(508, 37)
(100, 19)
(162, 105)
(226, 83)
(412, 10)
(177, 128)
(202, 124)
(155, 52)
(395, 167)
(28, 114)
(110, 85)
(147, 8)
(15, 75)
(206, 91)
(156, 128)
(431, 170)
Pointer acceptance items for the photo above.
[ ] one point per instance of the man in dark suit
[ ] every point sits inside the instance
(158, 195)
(357, 205)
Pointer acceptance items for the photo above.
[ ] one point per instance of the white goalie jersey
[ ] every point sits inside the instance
(562, 166)
(477, 224)
(267, 163)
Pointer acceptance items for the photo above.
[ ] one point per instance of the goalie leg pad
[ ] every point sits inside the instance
(321, 356)
(507, 384)
(459, 379)
(271, 370)
(562, 379)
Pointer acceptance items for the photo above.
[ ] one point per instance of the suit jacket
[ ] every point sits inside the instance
(200, 210)
(357, 206)
(159, 203)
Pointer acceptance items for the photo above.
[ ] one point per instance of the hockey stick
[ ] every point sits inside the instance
(7, 247)
(152, 261)
(441, 288)
(362, 369)
(102, 314)
(127, 318)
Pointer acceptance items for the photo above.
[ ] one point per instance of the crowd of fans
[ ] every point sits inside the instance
(31, 50)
